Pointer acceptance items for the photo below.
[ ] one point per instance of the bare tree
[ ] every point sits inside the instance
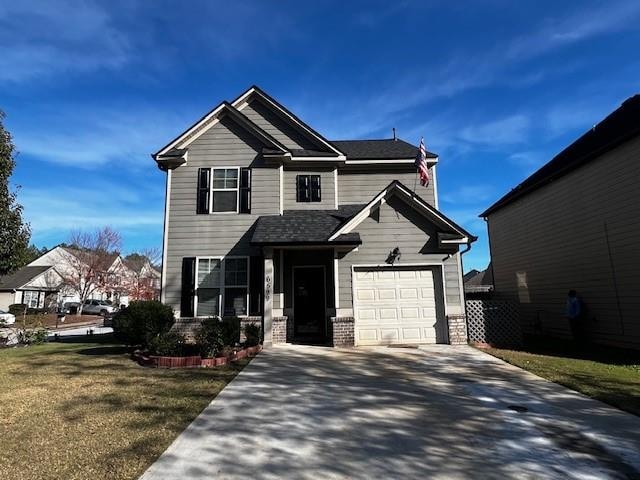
(143, 282)
(90, 257)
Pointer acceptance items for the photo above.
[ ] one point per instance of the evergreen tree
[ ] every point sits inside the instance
(14, 233)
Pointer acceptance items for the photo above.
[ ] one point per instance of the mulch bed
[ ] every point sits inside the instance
(157, 361)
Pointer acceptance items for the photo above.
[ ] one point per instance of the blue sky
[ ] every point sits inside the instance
(496, 88)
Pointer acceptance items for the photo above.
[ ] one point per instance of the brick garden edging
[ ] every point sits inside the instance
(157, 361)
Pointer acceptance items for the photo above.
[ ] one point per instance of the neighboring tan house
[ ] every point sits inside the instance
(575, 224)
(66, 262)
(34, 286)
(321, 241)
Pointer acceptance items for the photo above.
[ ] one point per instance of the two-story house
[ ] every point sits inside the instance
(321, 241)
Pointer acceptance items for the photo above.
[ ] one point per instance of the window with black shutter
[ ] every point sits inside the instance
(188, 289)
(245, 190)
(308, 188)
(204, 175)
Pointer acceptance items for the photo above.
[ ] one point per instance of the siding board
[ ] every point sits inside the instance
(556, 236)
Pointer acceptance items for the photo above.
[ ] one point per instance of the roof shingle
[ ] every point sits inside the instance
(21, 277)
(304, 226)
(385, 149)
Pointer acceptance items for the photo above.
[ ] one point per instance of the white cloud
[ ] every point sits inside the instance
(41, 38)
(93, 137)
(53, 213)
(504, 131)
(468, 194)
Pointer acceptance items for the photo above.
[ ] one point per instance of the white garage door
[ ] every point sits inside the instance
(395, 305)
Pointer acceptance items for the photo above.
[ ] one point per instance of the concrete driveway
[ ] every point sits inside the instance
(439, 412)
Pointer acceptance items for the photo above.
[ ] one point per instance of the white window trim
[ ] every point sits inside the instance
(211, 190)
(221, 286)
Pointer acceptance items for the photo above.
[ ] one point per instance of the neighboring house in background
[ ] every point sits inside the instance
(575, 224)
(34, 286)
(113, 278)
(143, 280)
(478, 285)
(321, 241)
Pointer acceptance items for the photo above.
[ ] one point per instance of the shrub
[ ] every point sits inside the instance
(17, 309)
(210, 338)
(142, 321)
(231, 331)
(252, 334)
(34, 336)
(167, 344)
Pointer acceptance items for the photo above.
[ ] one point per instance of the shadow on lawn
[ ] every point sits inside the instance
(558, 347)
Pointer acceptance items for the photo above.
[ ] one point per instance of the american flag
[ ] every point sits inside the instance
(421, 164)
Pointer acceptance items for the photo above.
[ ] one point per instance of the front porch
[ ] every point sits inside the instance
(301, 297)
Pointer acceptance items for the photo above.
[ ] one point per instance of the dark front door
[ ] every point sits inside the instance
(309, 304)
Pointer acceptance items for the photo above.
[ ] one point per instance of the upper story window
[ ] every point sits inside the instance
(308, 188)
(224, 190)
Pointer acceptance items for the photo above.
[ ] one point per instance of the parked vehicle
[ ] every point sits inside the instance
(71, 307)
(7, 318)
(98, 307)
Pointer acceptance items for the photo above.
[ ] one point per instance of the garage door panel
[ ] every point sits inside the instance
(408, 293)
(389, 334)
(368, 335)
(366, 294)
(411, 334)
(387, 293)
(395, 306)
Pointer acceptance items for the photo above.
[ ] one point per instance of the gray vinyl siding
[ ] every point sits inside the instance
(362, 185)
(555, 239)
(276, 126)
(398, 225)
(189, 234)
(327, 187)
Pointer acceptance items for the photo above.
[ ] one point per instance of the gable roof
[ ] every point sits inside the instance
(395, 187)
(475, 281)
(177, 146)
(384, 149)
(621, 125)
(304, 227)
(20, 278)
(283, 111)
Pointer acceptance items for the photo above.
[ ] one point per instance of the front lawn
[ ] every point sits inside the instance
(607, 374)
(85, 410)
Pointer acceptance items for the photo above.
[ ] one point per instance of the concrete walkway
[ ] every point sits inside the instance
(442, 413)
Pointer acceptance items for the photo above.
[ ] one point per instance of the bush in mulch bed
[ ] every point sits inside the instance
(216, 344)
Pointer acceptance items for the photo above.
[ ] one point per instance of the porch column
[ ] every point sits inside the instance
(267, 311)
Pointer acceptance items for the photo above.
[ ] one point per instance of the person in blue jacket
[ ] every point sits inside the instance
(574, 312)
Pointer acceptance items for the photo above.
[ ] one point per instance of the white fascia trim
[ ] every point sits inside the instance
(335, 186)
(460, 241)
(435, 186)
(340, 158)
(364, 213)
(165, 239)
(355, 221)
(243, 97)
(430, 161)
(432, 211)
(184, 136)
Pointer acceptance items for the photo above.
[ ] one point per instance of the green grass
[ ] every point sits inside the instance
(85, 410)
(608, 374)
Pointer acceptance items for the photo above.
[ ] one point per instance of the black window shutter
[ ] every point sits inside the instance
(303, 190)
(315, 188)
(188, 290)
(204, 175)
(245, 190)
